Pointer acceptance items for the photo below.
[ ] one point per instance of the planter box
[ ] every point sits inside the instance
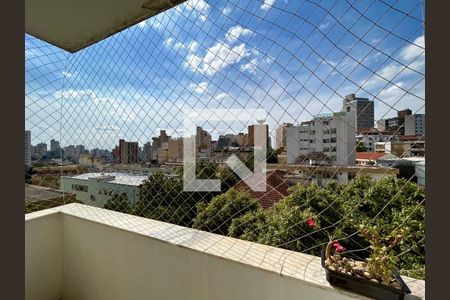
(365, 287)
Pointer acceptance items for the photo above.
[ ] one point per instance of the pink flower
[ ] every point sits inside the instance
(338, 247)
(311, 223)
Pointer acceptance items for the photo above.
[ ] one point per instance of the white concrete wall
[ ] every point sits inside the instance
(43, 257)
(94, 187)
(87, 253)
(101, 262)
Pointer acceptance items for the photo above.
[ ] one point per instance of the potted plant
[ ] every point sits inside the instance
(375, 276)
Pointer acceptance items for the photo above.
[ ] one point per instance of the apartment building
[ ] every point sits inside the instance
(331, 135)
(362, 111)
(280, 134)
(415, 124)
(405, 147)
(96, 188)
(175, 150)
(370, 138)
(129, 152)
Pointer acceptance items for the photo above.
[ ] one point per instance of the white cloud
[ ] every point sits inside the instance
(178, 45)
(193, 46)
(250, 67)
(324, 25)
(226, 11)
(142, 24)
(267, 4)
(200, 88)
(235, 32)
(169, 41)
(219, 56)
(199, 5)
(67, 74)
(220, 96)
(412, 51)
(75, 94)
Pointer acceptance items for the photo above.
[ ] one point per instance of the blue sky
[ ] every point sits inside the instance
(292, 58)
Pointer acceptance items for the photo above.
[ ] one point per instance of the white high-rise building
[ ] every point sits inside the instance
(28, 149)
(330, 134)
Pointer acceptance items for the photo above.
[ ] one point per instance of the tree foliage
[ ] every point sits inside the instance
(118, 202)
(217, 215)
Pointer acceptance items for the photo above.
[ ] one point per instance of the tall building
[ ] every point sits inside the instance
(280, 133)
(54, 145)
(147, 151)
(28, 148)
(129, 152)
(175, 150)
(415, 124)
(41, 150)
(360, 111)
(329, 135)
(251, 136)
(405, 123)
(160, 146)
(203, 143)
(223, 142)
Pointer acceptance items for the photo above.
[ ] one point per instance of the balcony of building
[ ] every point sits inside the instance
(82, 252)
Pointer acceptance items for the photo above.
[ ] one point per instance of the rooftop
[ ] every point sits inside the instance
(369, 155)
(276, 189)
(35, 193)
(113, 177)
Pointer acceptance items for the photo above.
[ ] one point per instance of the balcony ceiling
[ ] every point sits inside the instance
(75, 24)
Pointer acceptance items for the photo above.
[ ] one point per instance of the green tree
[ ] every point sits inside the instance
(28, 174)
(217, 215)
(406, 171)
(360, 147)
(118, 202)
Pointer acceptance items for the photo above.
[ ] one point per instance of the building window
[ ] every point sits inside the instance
(326, 141)
(106, 192)
(92, 198)
(333, 140)
(333, 130)
(80, 188)
(351, 176)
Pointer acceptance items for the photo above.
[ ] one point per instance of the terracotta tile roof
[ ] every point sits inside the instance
(369, 155)
(276, 189)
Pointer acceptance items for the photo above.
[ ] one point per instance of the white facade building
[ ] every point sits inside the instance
(28, 149)
(96, 188)
(415, 124)
(371, 138)
(331, 134)
(419, 164)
